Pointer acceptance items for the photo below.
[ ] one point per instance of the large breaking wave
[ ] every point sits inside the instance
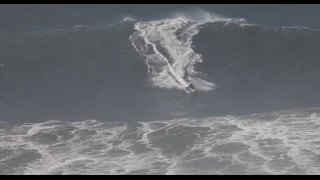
(96, 73)
(166, 46)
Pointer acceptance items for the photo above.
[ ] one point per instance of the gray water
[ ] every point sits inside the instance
(76, 97)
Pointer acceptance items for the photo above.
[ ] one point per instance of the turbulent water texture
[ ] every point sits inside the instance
(166, 46)
(282, 142)
(76, 96)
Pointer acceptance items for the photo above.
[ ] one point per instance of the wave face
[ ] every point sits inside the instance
(97, 73)
(281, 142)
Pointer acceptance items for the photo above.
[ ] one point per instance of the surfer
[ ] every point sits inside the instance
(190, 88)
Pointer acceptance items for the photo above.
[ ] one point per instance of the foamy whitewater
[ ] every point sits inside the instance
(100, 89)
(281, 142)
(166, 47)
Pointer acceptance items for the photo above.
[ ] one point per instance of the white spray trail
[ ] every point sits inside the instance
(166, 45)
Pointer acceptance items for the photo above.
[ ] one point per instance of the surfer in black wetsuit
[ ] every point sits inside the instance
(150, 71)
(190, 88)
(191, 85)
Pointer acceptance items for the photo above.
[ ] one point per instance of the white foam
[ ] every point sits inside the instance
(37, 128)
(78, 26)
(201, 15)
(166, 46)
(94, 147)
(129, 18)
(315, 118)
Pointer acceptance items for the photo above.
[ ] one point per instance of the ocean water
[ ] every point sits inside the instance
(76, 96)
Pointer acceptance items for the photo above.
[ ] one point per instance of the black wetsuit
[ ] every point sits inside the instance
(191, 86)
